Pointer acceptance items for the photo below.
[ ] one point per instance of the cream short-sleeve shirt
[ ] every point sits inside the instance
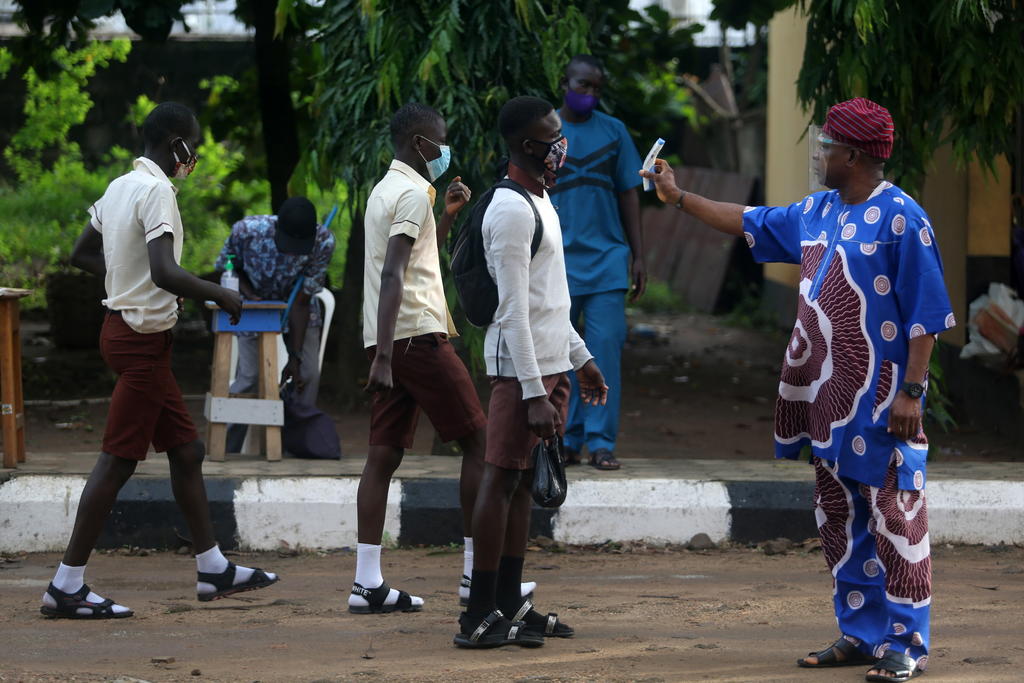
(137, 208)
(402, 204)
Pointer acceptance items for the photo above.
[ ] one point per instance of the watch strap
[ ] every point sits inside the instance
(912, 389)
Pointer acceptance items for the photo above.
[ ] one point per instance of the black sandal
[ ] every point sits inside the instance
(902, 667)
(376, 597)
(224, 583)
(604, 459)
(827, 658)
(68, 605)
(571, 457)
(537, 624)
(495, 631)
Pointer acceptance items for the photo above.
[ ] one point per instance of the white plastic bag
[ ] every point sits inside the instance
(1002, 301)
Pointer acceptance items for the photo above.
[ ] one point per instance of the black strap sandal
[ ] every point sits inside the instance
(495, 631)
(604, 459)
(827, 658)
(546, 626)
(571, 457)
(898, 666)
(225, 583)
(68, 605)
(376, 597)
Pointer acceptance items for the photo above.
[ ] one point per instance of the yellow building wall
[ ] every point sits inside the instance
(945, 198)
(988, 213)
(786, 165)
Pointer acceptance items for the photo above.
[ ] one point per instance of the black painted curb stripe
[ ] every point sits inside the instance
(763, 510)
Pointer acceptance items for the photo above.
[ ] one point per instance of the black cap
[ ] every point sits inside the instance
(296, 226)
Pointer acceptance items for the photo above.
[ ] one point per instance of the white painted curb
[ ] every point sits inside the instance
(972, 511)
(311, 512)
(651, 510)
(37, 512)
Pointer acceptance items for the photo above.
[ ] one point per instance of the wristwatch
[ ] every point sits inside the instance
(912, 389)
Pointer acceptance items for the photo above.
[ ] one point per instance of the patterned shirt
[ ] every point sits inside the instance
(870, 280)
(272, 273)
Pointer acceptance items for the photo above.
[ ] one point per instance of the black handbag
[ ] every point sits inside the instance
(308, 432)
(549, 485)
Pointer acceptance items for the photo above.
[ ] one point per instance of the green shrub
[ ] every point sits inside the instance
(42, 214)
(659, 298)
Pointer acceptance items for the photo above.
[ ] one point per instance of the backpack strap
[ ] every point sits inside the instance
(538, 230)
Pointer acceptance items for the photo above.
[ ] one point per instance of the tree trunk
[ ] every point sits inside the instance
(352, 366)
(280, 136)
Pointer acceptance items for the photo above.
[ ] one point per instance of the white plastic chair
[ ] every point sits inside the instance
(326, 300)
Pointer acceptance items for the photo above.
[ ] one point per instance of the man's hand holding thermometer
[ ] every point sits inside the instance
(722, 216)
(652, 156)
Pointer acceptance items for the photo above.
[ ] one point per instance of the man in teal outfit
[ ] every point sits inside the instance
(599, 207)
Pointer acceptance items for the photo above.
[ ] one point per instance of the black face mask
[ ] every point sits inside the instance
(553, 159)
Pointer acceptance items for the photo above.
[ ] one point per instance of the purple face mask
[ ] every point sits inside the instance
(580, 104)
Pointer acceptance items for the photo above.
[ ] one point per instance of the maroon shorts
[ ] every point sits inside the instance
(509, 439)
(146, 407)
(427, 374)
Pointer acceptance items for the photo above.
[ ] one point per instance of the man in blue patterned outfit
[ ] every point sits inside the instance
(270, 254)
(872, 299)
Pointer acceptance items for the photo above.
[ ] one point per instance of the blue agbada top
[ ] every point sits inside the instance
(870, 280)
(602, 162)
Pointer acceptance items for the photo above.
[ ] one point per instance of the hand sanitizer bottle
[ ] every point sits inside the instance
(228, 279)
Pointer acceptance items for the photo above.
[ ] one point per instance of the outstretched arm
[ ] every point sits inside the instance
(722, 216)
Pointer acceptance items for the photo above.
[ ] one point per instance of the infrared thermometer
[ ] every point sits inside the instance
(652, 156)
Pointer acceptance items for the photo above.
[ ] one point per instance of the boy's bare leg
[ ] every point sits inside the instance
(372, 497)
(97, 500)
(105, 481)
(473, 448)
(189, 490)
(186, 462)
(371, 508)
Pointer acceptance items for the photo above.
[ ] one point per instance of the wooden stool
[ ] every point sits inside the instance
(223, 408)
(12, 407)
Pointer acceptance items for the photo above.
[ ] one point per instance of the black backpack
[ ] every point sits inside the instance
(477, 291)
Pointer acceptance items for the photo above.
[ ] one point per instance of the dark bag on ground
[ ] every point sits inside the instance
(549, 485)
(308, 432)
(477, 291)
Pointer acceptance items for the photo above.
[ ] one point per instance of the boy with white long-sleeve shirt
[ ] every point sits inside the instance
(529, 348)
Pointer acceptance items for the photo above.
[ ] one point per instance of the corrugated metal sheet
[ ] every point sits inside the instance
(689, 256)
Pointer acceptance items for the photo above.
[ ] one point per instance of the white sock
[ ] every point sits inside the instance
(368, 576)
(368, 566)
(467, 557)
(70, 579)
(467, 570)
(213, 561)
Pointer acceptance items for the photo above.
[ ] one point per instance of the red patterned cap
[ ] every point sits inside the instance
(862, 124)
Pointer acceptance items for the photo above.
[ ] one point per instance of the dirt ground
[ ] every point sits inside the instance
(698, 380)
(654, 615)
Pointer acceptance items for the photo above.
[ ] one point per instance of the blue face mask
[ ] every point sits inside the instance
(437, 167)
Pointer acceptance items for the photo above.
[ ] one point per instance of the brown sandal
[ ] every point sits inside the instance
(828, 659)
(604, 459)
